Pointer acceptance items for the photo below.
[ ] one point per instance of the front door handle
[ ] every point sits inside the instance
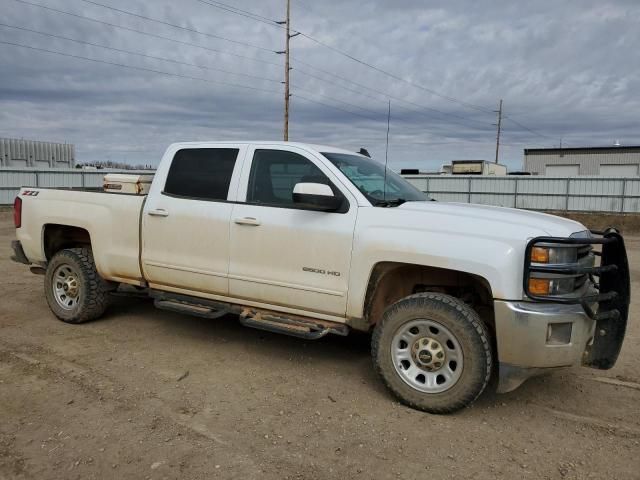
(251, 221)
(158, 212)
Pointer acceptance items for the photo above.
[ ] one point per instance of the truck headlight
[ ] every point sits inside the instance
(555, 269)
(553, 255)
(552, 286)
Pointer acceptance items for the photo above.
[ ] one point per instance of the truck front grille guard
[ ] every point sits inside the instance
(609, 306)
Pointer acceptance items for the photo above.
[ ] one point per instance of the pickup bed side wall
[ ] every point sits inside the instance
(112, 221)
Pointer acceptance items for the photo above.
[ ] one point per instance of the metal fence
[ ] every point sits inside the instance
(11, 179)
(594, 194)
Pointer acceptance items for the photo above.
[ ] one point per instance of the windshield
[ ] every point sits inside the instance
(369, 176)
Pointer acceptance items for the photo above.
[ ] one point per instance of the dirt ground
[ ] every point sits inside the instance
(144, 393)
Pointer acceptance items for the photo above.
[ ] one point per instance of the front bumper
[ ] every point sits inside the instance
(528, 341)
(18, 253)
(555, 331)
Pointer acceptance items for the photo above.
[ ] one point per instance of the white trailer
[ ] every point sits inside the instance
(477, 167)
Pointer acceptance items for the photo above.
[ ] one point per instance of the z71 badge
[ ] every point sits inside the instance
(30, 193)
(320, 271)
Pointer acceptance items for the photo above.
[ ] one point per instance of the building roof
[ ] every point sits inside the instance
(583, 150)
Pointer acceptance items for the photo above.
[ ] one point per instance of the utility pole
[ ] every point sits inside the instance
(287, 68)
(286, 74)
(499, 124)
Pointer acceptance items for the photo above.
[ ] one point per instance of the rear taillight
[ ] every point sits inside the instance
(17, 212)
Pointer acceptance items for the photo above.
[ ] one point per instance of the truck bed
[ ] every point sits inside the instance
(112, 221)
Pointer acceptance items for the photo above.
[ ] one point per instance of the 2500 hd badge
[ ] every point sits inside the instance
(320, 271)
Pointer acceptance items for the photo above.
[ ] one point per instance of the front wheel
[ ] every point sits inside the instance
(433, 352)
(74, 290)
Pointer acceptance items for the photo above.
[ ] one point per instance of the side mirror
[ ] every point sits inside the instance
(316, 196)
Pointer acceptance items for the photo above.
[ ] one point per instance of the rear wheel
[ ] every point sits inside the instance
(433, 352)
(74, 290)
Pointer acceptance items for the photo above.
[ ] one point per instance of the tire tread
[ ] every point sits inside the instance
(96, 290)
(430, 301)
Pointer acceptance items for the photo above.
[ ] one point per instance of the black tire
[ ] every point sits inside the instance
(469, 331)
(93, 291)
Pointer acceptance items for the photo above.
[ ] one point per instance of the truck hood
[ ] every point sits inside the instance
(534, 223)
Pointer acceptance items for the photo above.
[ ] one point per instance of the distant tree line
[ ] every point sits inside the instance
(115, 165)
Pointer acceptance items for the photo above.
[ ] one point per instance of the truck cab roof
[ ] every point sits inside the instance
(281, 143)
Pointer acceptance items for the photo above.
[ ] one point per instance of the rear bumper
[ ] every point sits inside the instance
(18, 253)
(533, 337)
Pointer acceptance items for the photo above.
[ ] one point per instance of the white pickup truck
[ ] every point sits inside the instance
(308, 240)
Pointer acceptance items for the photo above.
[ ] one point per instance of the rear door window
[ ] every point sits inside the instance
(201, 173)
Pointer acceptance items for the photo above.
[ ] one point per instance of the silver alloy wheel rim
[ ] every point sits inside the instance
(66, 287)
(427, 356)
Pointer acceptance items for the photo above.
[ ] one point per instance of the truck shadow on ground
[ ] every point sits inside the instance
(350, 355)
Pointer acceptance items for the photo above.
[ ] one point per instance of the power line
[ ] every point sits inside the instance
(266, 20)
(361, 108)
(138, 53)
(330, 82)
(260, 18)
(257, 17)
(188, 29)
(396, 77)
(144, 69)
(506, 117)
(269, 21)
(343, 102)
(80, 57)
(150, 56)
(330, 106)
(239, 11)
(379, 92)
(154, 35)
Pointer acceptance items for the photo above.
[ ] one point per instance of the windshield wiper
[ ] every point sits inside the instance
(394, 202)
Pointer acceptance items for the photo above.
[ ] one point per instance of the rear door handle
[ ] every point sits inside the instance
(159, 212)
(251, 221)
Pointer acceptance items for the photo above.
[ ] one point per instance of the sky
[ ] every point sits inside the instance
(566, 71)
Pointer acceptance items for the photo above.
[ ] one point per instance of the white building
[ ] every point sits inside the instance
(32, 154)
(615, 161)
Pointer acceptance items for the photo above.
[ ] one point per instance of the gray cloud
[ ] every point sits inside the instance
(564, 69)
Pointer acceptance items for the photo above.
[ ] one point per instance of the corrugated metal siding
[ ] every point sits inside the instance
(95, 179)
(589, 162)
(32, 154)
(493, 185)
(59, 178)
(12, 179)
(535, 193)
(10, 182)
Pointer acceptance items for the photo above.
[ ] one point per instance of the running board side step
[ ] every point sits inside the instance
(189, 309)
(293, 325)
(199, 307)
(268, 320)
